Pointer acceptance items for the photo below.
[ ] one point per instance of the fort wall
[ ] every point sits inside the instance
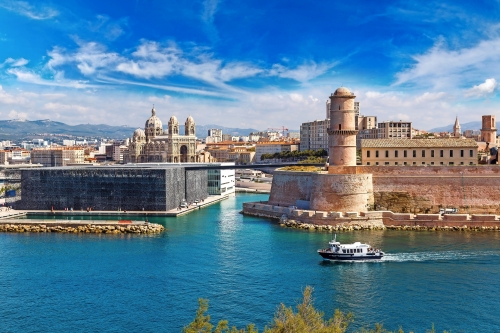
(426, 189)
(320, 191)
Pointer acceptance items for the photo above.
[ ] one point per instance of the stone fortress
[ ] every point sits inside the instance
(154, 145)
(347, 189)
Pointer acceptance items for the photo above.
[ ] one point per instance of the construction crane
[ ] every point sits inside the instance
(282, 129)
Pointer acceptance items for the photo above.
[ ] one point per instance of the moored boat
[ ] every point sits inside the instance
(354, 251)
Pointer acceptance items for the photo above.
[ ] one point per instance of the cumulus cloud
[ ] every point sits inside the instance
(88, 58)
(486, 88)
(25, 9)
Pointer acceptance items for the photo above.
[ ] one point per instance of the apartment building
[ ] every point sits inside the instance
(57, 156)
(314, 135)
(273, 147)
(395, 129)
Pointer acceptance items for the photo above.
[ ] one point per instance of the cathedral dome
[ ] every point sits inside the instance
(190, 127)
(139, 133)
(342, 91)
(153, 121)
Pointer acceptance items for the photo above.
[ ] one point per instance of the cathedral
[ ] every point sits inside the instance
(155, 145)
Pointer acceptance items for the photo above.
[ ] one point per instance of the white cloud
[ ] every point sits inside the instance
(30, 77)
(65, 107)
(486, 88)
(18, 115)
(302, 73)
(25, 9)
(14, 62)
(443, 68)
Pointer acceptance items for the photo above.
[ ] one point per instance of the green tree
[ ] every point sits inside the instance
(307, 319)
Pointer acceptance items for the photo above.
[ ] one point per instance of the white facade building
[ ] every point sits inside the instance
(221, 182)
(314, 135)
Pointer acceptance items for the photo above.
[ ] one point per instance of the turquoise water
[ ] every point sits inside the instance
(245, 266)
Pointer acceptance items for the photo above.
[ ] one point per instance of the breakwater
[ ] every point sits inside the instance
(81, 226)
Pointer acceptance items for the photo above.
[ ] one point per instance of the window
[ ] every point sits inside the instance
(405, 154)
(423, 153)
(396, 163)
(451, 163)
(414, 153)
(414, 163)
(376, 153)
(395, 153)
(451, 153)
(441, 154)
(442, 163)
(376, 163)
(432, 153)
(461, 153)
(471, 163)
(423, 163)
(386, 153)
(405, 163)
(367, 153)
(386, 163)
(461, 163)
(471, 153)
(432, 163)
(367, 163)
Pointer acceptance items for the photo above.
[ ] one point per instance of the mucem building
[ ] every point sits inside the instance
(152, 188)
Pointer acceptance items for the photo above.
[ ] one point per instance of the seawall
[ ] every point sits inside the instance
(371, 219)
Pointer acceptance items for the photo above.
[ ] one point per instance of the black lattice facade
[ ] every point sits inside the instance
(111, 188)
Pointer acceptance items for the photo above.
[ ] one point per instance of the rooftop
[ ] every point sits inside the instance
(418, 143)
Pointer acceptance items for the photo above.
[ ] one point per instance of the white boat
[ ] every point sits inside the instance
(354, 251)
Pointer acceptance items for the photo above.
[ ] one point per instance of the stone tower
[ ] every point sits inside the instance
(342, 130)
(489, 130)
(457, 132)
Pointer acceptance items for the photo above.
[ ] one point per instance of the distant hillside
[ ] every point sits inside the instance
(473, 125)
(20, 129)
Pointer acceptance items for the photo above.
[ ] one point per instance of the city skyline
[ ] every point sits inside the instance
(247, 65)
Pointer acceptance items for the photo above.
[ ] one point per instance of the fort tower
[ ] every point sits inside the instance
(342, 130)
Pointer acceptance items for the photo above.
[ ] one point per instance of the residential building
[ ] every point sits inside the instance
(395, 129)
(273, 147)
(57, 156)
(314, 135)
(399, 151)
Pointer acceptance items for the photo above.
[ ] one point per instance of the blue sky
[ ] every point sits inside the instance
(247, 63)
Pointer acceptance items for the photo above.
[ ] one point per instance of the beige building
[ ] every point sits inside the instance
(273, 147)
(395, 129)
(419, 152)
(57, 156)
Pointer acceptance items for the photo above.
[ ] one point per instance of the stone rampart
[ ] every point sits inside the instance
(426, 189)
(351, 192)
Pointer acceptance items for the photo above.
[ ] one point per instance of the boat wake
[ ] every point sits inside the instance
(435, 256)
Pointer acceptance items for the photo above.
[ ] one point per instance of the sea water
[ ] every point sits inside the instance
(245, 266)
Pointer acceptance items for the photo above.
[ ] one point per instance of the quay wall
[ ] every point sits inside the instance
(372, 218)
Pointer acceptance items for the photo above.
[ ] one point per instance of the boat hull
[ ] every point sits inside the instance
(349, 256)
